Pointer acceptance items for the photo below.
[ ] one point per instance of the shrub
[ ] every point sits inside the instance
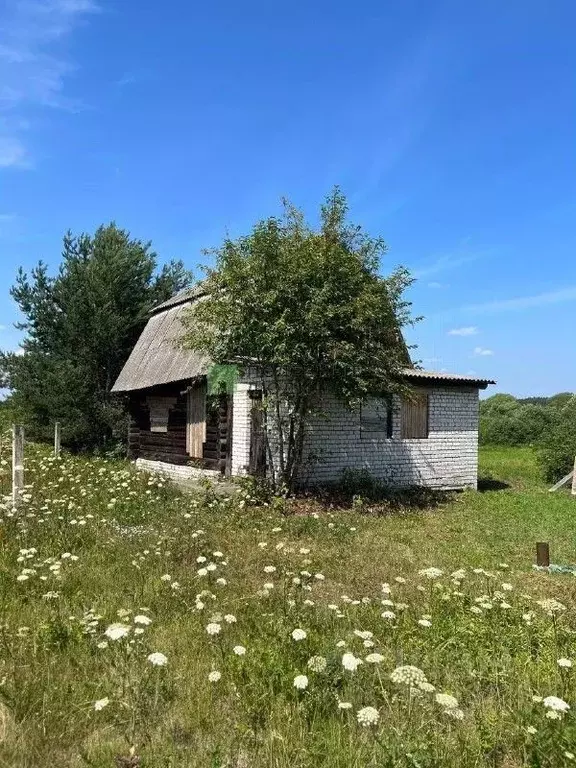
(558, 446)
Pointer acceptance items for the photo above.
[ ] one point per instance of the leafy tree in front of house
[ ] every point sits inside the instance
(80, 327)
(558, 446)
(307, 310)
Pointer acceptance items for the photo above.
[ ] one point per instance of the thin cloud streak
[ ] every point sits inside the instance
(32, 73)
(522, 302)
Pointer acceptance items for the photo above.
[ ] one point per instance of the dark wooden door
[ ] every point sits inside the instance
(257, 463)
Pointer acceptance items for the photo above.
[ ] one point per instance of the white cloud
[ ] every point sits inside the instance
(435, 284)
(523, 302)
(462, 254)
(32, 70)
(469, 330)
(482, 352)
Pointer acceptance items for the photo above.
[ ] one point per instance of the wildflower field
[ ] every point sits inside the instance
(144, 627)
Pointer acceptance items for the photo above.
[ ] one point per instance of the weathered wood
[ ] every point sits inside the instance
(257, 459)
(196, 421)
(542, 554)
(565, 480)
(415, 417)
(57, 438)
(574, 479)
(17, 462)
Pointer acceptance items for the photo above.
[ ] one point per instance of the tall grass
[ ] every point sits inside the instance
(144, 627)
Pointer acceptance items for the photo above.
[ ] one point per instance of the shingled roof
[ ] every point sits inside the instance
(158, 357)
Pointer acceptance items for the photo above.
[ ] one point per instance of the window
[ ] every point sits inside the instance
(376, 419)
(415, 416)
(159, 412)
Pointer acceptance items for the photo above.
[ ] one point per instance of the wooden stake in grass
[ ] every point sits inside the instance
(542, 554)
(574, 479)
(57, 439)
(17, 461)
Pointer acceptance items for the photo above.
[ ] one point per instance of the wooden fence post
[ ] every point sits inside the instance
(17, 462)
(574, 480)
(542, 554)
(57, 438)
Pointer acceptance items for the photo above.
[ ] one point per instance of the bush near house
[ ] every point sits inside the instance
(144, 627)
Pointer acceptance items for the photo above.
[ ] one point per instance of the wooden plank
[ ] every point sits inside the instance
(17, 462)
(196, 420)
(415, 417)
(57, 439)
(542, 554)
(574, 479)
(565, 480)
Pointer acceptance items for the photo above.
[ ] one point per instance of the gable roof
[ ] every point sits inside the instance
(158, 358)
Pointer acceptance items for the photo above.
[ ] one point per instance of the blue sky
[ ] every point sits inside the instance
(451, 127)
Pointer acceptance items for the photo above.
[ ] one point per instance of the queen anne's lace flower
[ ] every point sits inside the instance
(566, 663)
(431, 573)
(556, 704)
(214, 676)
(368, 716)
(551, 606)
(117, 631)
(299, 634)
(350, 662)
(145, 620)
(374, 658)
(301, 682)
(408, 675)
(446, 701)
(101, 703)
(317, 663)
(213, 628)
(239, 650)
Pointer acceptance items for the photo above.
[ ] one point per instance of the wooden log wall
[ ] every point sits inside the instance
(170, 446)
(167, 446)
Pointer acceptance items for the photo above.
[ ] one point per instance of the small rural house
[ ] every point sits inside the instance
(431, 440)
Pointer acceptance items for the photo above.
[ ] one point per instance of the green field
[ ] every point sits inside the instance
(101, 567)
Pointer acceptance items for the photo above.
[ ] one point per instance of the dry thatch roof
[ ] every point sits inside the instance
(157, 357)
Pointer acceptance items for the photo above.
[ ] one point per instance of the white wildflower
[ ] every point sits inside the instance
(344, 705)
(214, 676)
(350, 662)
(213, 628)
(424, 623)
(368, 716)
(556, 704)
(446, 701)
(230, 618)
(566, 663)
(141, 619)
(317, 663)
(431, 573)
(239, 650)
(301, 682)
(408, 675)
(157, 659)
(299, 634)
(374, 658)
(117, 631)
(101, 703)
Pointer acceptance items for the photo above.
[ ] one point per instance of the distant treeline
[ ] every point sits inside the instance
(547, 423)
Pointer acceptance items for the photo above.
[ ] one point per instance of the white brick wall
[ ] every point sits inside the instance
(241, 406)
(448, 458)
(175, 471)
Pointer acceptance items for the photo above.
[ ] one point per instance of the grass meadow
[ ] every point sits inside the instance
(143, 627)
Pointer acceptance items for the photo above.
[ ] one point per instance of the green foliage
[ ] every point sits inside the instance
(307, 310)
(558, 447)
(222, 379)
(80, 328)
(96, 544)
(504, 420)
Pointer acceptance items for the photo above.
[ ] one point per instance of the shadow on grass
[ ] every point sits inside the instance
(488, 483)
(386, 502)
